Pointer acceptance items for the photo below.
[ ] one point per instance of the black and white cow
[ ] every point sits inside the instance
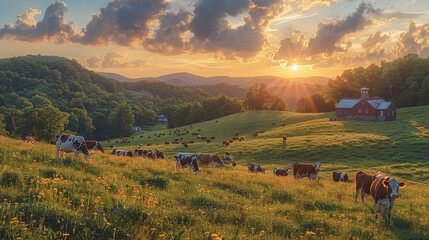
(67, 143)
(280, 172)
(118, 152)
(186, 160)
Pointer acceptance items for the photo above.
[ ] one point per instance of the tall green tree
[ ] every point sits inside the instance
(121, 120)
(257, 97)
(42, 123)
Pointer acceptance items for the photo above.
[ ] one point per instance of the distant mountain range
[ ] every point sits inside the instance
(187, 79)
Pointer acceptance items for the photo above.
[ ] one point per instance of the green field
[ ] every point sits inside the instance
(132, 198)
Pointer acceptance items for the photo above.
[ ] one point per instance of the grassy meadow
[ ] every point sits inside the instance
(112, 197)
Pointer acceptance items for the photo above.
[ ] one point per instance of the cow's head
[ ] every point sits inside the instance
(393, 186)
(287, 171)
(114, 151)
(129, 153)
(100, 147)
(263, 171)
(318, 165)
(194, 164)
(234, 163)
(57, 136)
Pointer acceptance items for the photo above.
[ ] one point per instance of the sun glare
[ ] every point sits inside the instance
(294, 67)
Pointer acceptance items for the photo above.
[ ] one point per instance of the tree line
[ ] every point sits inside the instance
(257, 98)
(404, 81)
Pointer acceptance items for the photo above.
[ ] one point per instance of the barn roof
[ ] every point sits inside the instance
(379, 104)
(347, 103)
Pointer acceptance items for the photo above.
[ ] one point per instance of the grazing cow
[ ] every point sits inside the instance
(166, 143)
(94, 145)
(186, 160)
(241, 152)
(144, 153)
(190, 142)
(30, 139)
(159, 154)
(209, 158)
(301, 170)
(149, 144)
(255, 168)
(118, 152)
(363, 184)
(69, 143)
(223, 142)
(340, 177)
(209, 141)
(280, 172)
(228, 158)
(227, 144)
(255, 134)
(235, 138)
(175, 142)
(384, 191)
(212, 138)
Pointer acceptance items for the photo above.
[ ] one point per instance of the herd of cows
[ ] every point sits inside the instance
(381, 187)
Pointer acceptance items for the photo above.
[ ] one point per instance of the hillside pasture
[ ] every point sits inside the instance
(111, 197)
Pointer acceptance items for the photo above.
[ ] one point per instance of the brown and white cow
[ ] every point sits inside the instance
(384, 191)
(144, 153)
(118, 152)
(280, 172)
(94, 145)
(209, 158)
(186, 160)
(301, 170)
(363, 184)
(228, 158)
(255, 168)
(159, 154)
(340, 177)
(30, 139)
(69, 143)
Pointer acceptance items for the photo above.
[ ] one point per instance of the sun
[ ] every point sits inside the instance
(294, 67)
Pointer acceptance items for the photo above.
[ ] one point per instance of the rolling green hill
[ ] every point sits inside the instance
(112, 197)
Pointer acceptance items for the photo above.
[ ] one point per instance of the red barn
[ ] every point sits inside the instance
(365, 108)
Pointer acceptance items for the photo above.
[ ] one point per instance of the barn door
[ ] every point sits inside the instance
(381, 113)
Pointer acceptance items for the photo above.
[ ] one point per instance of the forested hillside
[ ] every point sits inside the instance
(71, 97)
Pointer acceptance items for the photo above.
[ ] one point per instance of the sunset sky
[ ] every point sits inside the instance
(144, 38)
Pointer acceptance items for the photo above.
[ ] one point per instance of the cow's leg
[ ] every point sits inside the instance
(362, 194)
(357, 194)
(177, 165)
(76, 154)
(377, 209)
(58, 151)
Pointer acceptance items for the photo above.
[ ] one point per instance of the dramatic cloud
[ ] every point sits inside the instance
(169, 38)
(328, 39)
(53, 26)
(113, 60)
(375, 41)
(93, 62)
(123, 22)
(213, 33)
(328, 35)
(414, 40)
